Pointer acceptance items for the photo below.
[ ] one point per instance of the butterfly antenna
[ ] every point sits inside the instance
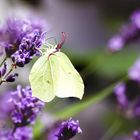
(63, 38)
(52, 38)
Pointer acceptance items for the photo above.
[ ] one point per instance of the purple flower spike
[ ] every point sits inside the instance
(119, 91)
(116, 43)
(136, 135)
(28, 48)
(65, 131)
(136, 108)
(21, 40)
(128, 33)
(25, 106)
(14, 31)
(134, 71)
(135, 18)
(21, 133)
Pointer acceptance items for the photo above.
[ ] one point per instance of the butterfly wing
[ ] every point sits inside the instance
(41, 79)
(67, 81)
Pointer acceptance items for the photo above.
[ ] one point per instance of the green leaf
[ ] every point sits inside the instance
(116, 64)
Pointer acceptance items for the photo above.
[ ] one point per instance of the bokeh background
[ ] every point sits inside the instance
(89, 24)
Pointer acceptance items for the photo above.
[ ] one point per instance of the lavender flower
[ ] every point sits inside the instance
(22, 111)
(25, 107)
(134, 71)
(136, 108)
(21, 133)
(119, 91)
(28, 48)
(136, 135)
(135, 18)
(11, 77)
(14, 31)
(21, 40)
(115, 43)
(130, 107)
(65, 131)
(128, 33)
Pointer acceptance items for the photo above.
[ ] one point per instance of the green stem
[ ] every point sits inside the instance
(1, 82)
(11, 69)
(112, 130)
(3, 61)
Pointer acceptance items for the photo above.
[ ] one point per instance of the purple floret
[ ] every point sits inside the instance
(135, 18)
(25, 107)
(134, 71)
(136, 135)
(65, 130)
(21, 133)
(116, 43)
(128, 33)
(120, 93)
(11, 77)
(21, 40)
(27, 49)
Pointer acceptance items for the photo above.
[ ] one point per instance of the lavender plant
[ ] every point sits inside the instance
(23, 112)
(129, 33)
(21, 40)
(64, 130)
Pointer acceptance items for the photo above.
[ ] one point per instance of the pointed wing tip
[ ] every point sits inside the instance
(81, 97)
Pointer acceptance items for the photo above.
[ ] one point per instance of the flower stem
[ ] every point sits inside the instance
(112, 130)
(3, 61)
(13, 66)
(11, 69)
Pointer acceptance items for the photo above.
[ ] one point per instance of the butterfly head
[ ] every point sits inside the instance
(51, 48)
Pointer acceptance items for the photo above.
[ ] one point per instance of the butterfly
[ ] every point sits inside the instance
(54, 75)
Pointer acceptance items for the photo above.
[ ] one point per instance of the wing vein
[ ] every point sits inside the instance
(51, 75)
